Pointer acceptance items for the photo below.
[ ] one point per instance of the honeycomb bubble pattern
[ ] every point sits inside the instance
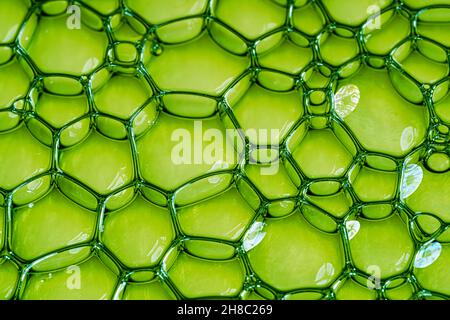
(92, 208)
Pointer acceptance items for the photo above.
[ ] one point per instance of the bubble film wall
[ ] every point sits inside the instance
(343, 193)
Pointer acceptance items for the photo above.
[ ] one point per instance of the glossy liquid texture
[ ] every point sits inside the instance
(355, 108)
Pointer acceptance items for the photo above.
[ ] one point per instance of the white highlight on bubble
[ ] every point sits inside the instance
(404, 258)
(218, 165)
(81, 237)
(352, 227)
(253, 236)
(34, 185)
(408, 137)
(90, 64)
(427, 255)
(325, 274)
(155, 252)
(346, 100)
(412, 177)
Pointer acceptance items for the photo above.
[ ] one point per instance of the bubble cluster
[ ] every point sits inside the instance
(336, 186)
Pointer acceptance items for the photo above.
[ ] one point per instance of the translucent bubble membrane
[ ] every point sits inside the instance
(345, 195)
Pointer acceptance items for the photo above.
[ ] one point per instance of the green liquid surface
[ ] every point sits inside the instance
(335, 185)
